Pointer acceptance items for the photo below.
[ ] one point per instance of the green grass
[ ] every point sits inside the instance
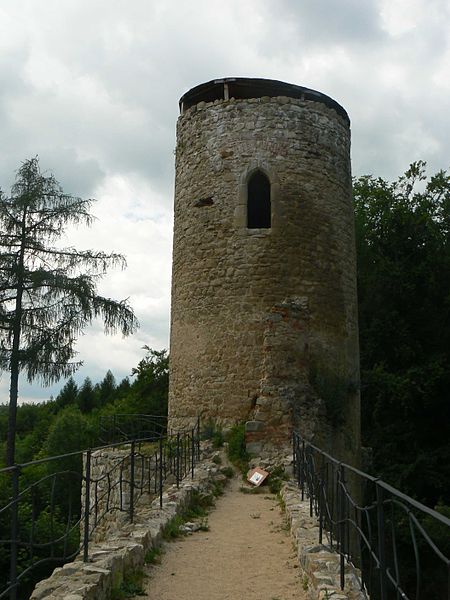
(171, 530)
(217, 488)
(276, 478)
(130, 586)
(153, 556)
(282, 503)
(228, 472)
(198, 509)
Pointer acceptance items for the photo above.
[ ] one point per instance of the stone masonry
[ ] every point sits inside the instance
(319, 564)
(119, 548)
(256, 312)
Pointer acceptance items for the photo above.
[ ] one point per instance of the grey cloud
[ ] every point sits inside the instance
(76, 176)
(93, 87)
(313, 23)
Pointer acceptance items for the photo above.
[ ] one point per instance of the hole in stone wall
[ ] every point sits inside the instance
(204, 202)
(253, 401)
(258, 202)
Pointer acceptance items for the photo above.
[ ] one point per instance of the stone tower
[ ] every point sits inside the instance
(264, 313)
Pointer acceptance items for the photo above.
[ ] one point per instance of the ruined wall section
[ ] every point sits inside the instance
(226, 278)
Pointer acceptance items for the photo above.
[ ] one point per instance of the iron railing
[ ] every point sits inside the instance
(53, 499)
(400, 547)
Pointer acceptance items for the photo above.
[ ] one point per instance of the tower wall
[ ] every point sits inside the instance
(238, 294)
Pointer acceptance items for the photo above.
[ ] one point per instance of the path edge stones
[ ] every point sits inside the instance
(319, 565)
(124, 552)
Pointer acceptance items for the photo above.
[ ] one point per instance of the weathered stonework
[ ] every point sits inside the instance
(120, 547)
(320, 564)
(254, 311)
(109, 492)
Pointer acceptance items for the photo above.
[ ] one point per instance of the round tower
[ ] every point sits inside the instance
(264, 313)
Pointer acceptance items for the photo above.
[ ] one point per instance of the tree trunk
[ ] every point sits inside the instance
(12, 418)
(15, 363)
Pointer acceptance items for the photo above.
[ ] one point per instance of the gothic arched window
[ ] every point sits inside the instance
(258, 202)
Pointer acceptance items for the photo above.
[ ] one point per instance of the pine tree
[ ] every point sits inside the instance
(47, 293)
(85, 399)
(68, 395)
(106, 389)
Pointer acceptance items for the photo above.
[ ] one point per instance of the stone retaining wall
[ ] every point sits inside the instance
(123, 550)
(110, 476)
(319, 564)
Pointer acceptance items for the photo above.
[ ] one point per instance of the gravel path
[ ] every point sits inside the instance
(247, 553)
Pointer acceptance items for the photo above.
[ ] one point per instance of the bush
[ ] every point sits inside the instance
(227, 471)
(236, 450)
(214, 433)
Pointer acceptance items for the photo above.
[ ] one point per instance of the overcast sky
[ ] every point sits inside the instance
(92, 87)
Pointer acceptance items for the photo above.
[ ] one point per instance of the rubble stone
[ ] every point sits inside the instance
(319, 563)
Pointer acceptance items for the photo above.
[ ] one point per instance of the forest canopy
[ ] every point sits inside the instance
(403, 250)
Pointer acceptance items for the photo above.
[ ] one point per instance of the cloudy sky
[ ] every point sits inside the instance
(92, 87)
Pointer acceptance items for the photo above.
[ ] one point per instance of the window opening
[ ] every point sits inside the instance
(258, 202)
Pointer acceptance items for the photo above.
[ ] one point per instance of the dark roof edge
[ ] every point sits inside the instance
(248, 87)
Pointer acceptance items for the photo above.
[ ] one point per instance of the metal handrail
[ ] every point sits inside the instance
(135, 473)
(373, 527)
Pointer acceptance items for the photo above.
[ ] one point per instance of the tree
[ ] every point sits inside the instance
(152, 382)
(403, 246)
(106, 389)
(68, 395)
(85, 397)
(48, 293)
(123, 388)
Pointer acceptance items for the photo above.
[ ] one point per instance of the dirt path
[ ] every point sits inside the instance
(247, 553)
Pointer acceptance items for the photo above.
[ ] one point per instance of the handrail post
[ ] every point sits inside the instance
(160, 471)
(132, 480)
(178, 460)
(183, 455)
(198, 438)
(381, 540)
(302, 470)
(341, 524)
(87, 501)
(294, 458)
(193, 452)
(321, 501)
(15, 475)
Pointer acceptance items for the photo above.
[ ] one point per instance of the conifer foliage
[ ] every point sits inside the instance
(48, 293)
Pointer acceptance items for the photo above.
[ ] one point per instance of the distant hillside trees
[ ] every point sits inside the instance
(38, 424)
(47, 293)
